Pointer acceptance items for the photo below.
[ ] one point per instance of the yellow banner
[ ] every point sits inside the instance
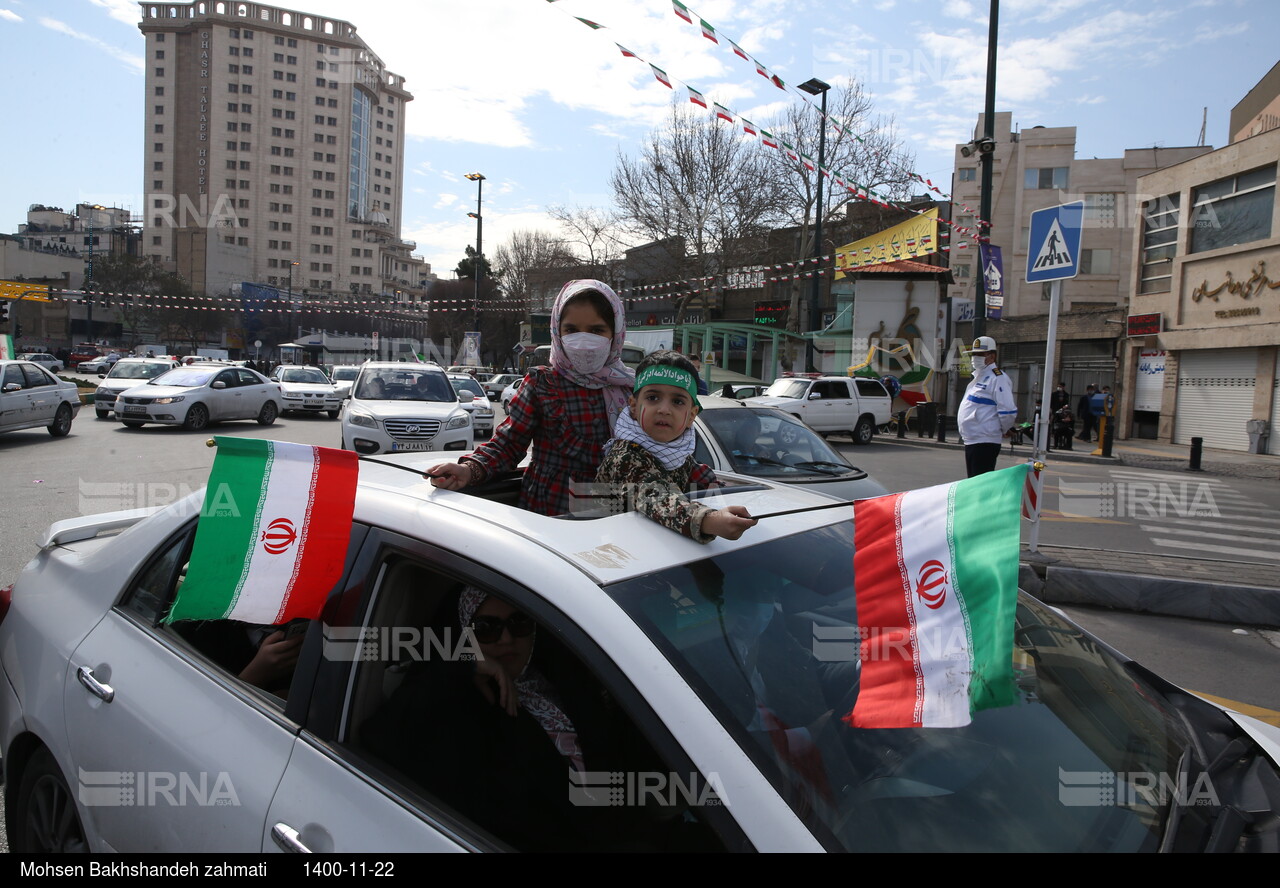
(917, 236)
(14, 289)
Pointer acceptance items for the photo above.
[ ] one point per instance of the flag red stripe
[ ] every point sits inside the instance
(888, 656)
(325, 549)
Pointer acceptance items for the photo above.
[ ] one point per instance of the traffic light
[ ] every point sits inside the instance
(4, 312)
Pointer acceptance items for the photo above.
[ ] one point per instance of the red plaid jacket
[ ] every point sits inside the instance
(568, 427)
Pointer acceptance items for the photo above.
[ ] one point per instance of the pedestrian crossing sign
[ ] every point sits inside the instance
(1053, 245)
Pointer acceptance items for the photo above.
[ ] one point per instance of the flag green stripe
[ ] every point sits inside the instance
(985, 537)
(227, 530)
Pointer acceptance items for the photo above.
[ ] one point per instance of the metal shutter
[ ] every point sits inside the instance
(1215, 397)
(1273, 442)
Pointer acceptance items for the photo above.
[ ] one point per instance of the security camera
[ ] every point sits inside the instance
(986, 146)
(966, 150)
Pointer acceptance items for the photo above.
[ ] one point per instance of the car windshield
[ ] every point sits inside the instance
(787, 388)
(404, 385)
(468, 385)
(131, 370)
(304, 374)
(345, 374)
(185, 377)
(766, 636)
(771, 444)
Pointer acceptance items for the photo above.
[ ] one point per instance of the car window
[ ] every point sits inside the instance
(345, 374)
(832, 388)
(136, 370)
(228, 378)
(185, 377)
(248, 377)
(422, 709)
(37, 376)
(13, 375)
(788, 388)
(304, 374)
(871, 388)
(469, 384)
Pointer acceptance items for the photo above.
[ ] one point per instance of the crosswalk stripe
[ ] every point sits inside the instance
(1200, 522)
(1156, 528)
(1225, 550)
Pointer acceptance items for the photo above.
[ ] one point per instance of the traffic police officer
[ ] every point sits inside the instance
(987, 411)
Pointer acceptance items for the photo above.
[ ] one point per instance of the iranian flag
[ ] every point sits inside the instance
(661, 75)
(682, 11)
(273, 532)
(936, 580)
(723, 113)
(708, 31)
(737, 50)
(696, 97)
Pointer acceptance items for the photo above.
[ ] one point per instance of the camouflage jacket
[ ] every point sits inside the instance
(658, 492)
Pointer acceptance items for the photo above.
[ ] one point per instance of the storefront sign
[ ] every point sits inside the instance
(772, 314)
(1149, 385)
(1145, 324)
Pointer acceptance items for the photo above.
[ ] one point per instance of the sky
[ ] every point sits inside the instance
(543, 105)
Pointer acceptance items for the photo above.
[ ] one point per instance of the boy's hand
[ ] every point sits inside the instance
(730, 522)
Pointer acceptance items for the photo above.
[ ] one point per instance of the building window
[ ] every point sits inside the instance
(159, 127)
(1159, 243)
(233, 87)
(159, 90)
(158, 147)
(1095, 262)
(1100, 211)
(1046, 177)
(248, 69)
(968, 174)
(160, 38)
(961, 272)
(233, 69)
(159, 109)
(159, 72)
(1235, 210)
(248, 51)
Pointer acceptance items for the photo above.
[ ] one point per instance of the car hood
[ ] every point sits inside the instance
(770, 401)
(406, 409)
(161, 391)
(119, 385)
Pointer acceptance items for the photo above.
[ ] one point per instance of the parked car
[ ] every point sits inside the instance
(125, 374)
(97, 365)
(510, 392)
(343, 377)
(766, 443)
(703, 677)
(193, 397)
(399, 406)
(471, 370)
(829, 404)
(495, 384)
(44, 359)
(307, 390)
(742, 391)
(479, 407)
(31, 396)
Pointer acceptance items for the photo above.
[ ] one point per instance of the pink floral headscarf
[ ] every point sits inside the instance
(614, 377)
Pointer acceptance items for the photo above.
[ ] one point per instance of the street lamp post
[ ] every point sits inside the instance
(815, 87)
(88, 281)
(292, 265)
(478, 178)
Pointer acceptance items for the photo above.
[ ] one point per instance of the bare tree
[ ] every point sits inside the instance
(862, 148)
(593, 235)
(524, 260)
(704, 184)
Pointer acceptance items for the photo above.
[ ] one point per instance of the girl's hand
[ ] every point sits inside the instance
(450, 475)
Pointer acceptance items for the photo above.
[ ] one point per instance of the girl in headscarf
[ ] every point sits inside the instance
(567, 410)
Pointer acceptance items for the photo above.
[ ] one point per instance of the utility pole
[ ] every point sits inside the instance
(986, 159)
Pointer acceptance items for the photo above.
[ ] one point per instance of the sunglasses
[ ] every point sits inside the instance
(489, 629)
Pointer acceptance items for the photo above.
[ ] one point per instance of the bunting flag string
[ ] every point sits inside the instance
(766, 138)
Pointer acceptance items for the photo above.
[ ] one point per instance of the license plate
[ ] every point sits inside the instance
(412, 445)
(135, 408)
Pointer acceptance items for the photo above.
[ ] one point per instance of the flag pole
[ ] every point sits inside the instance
(382, 462)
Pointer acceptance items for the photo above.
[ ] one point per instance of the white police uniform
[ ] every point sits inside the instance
(987, 411)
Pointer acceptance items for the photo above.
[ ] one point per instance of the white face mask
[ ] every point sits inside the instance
(587, 352)
(978, 362)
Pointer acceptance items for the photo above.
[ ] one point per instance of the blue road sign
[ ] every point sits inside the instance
(1053, 245)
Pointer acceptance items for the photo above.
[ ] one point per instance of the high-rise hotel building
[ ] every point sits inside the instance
(274, 152)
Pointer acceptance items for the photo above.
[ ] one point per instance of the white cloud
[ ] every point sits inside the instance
(10, 16)
(133, 61)
(445, 200)
(124, 11)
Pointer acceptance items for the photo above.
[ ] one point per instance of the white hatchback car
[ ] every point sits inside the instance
(479, 407)
(125, 374)
(678, 697)
(395, 407)
(194, 396)
(307, 390)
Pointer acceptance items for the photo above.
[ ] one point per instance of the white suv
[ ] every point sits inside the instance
(394, 407)
(831, 403)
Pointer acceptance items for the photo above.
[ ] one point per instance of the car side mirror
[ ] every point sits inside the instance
(814, 396)
(466, 397)
(11, 387)
(102, 374)
(218, 385)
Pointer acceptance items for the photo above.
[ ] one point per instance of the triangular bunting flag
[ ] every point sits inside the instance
(590, 24)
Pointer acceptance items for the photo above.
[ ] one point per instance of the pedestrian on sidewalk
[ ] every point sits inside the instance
(1059, 398)
(987, 411)
(1085, 411)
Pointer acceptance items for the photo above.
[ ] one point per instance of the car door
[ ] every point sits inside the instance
(15, 399)
(43, 391)
(368, 780)
(227, 402)
(173, 753)
(825, 409)
(255, 392)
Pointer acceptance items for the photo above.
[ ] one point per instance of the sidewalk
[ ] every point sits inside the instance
(1194, 587)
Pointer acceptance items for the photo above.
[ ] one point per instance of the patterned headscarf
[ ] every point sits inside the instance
(614, 377)
(533, 690)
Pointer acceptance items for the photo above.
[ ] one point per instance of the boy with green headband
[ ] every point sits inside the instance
(650, 457)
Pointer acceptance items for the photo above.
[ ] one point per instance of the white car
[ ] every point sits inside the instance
(44, 359)
(343, 377)
(31, 397)
(699, 691)
(125, 374)
(193, 397)
(97, 365)
(479, 407)
(307, 390)
(509, 393)
(397, 407)
(494, 385)
(828, 404)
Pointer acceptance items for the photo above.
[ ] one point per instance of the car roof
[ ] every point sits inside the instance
(608, 549)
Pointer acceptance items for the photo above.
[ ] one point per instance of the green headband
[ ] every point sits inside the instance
(665, 374)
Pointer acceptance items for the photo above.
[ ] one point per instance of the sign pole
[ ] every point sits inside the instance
(1042, 427)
